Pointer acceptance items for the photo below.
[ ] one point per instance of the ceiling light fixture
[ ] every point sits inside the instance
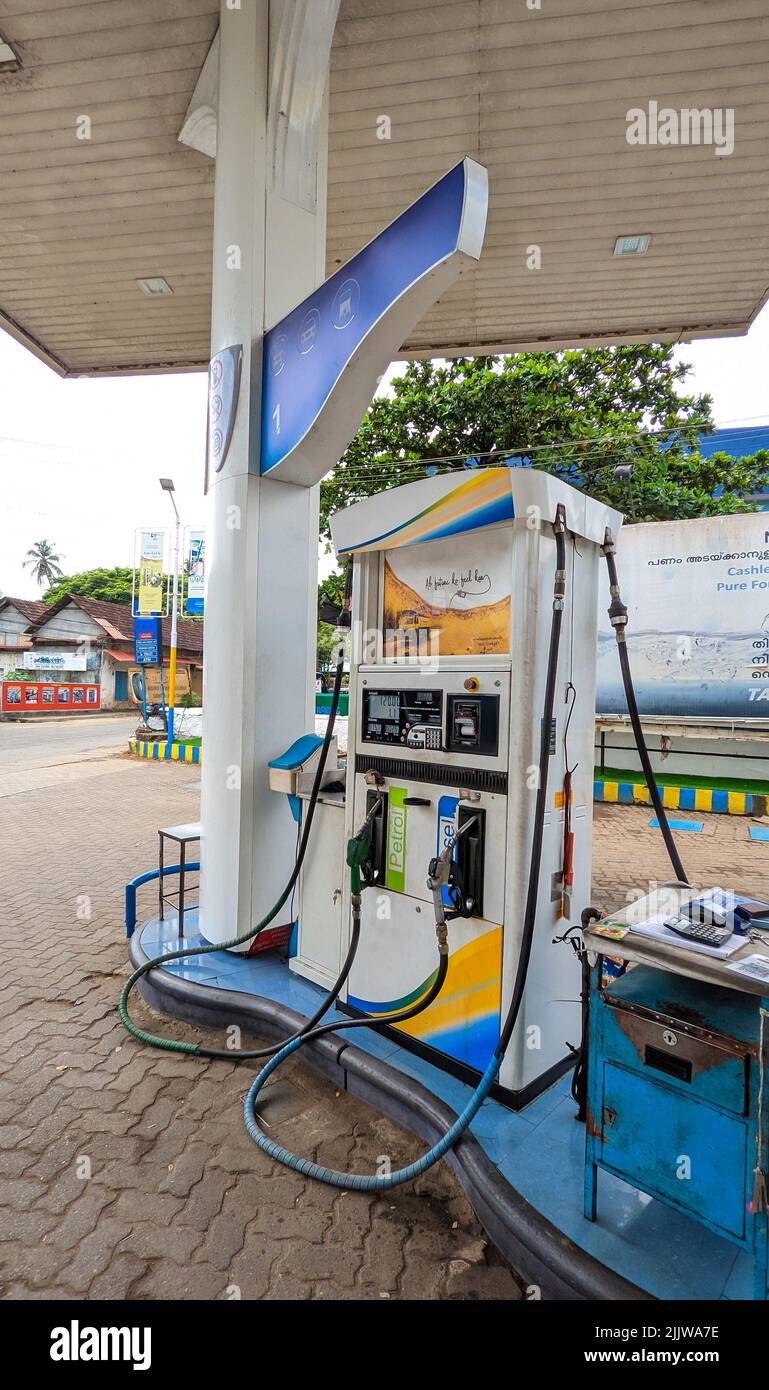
(155, 286)
(9, 58)
(632, 245)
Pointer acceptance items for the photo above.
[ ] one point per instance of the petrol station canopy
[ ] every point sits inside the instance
(538, 95)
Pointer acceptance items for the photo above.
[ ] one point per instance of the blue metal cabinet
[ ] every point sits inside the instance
(675, 1074)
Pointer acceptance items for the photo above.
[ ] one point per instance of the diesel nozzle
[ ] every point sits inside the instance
(446, 872)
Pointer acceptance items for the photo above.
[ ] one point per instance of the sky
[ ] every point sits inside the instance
(80, 460)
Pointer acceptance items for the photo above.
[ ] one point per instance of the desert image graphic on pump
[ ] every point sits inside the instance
(453, 607)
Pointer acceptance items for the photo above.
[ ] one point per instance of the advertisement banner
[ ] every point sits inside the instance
(149, 590)
(455, 594)
(196, 571)
(698, 634)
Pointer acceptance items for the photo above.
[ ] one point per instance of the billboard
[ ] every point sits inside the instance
(698, 619)
(54, 661)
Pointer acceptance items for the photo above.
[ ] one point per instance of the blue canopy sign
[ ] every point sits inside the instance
(322, 361)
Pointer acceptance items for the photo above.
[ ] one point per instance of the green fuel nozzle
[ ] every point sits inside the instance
(358, 854)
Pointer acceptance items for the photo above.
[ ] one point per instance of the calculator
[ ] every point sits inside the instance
(705, 933)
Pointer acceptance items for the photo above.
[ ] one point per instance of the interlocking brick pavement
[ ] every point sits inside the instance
(127, 1173)
(179, 1203)
(628, 855)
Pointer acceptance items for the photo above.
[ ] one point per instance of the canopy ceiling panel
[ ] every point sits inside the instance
(540, 96)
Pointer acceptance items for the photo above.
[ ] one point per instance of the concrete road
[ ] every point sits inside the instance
(48, 742)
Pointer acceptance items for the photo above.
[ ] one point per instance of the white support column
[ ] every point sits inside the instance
(269, 243)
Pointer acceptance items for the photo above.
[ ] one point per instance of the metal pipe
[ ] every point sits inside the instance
(130, 890)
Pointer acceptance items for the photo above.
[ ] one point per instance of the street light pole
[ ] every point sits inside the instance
(167, 486)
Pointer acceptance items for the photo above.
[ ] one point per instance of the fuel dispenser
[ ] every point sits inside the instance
(452, 596)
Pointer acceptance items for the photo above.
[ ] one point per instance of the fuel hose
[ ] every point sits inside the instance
(363, 1182)
(618, 618)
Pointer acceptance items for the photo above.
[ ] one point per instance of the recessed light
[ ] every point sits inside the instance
(155, 286)
(632, 245)
(8, 56)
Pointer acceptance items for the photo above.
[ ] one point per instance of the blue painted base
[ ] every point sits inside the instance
(540, 1151)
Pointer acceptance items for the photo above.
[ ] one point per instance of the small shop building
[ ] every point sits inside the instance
(78, 654)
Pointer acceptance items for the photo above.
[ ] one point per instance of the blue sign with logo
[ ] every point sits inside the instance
(147, 641)
(322, 360)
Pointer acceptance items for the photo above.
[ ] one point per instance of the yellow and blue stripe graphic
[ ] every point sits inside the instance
(156, 751)
(718, 799)
(481, 501)
(464, 1020)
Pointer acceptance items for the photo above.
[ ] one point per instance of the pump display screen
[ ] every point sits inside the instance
(384, 708)
(413, 718)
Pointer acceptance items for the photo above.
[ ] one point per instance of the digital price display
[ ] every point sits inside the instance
(403, 716)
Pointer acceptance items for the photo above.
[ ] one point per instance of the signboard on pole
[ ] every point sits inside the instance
(148, 596)
(196, 571)
(322, 361)
(147, 641)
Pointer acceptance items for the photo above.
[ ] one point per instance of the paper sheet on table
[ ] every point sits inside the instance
(756, 967)
(655, 928)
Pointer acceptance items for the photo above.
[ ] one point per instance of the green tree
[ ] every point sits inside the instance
(113, 586)
(43, 562)
(330, 590)
(326, 648)
(576, 414)
(110, 585)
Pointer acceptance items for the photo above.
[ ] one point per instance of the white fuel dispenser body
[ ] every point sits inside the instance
(452, 605)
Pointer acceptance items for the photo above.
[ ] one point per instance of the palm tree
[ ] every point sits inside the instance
(43, 562)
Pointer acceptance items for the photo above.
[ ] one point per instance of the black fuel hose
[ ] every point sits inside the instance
(361, 1182)
(532, 892)
(618, 619)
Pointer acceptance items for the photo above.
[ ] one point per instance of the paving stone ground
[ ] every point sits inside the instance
(126, 1173)
(179, 1202)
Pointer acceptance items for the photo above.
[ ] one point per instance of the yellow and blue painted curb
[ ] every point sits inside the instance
(718, 799)
(156, 751)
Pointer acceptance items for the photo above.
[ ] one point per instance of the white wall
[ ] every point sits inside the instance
(13, 625)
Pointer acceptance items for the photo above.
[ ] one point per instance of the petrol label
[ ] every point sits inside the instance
(395, 868)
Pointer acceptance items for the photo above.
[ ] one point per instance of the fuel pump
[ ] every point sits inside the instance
(452, 586)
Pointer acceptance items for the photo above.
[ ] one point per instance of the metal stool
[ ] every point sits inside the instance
(183, 835)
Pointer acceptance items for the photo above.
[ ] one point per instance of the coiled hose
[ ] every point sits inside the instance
(361, 1182)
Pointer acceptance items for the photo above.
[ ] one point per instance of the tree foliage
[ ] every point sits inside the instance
(110, 585)
(576, 414)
